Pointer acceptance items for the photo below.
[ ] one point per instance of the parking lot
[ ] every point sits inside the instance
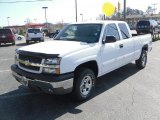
(124, 94)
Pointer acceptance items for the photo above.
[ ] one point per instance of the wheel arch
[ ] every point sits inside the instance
(90, 64)
(145, 47)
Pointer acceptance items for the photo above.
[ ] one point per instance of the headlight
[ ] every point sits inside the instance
(52, 66)
(52, 61)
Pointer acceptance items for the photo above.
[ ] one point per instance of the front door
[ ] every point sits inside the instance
(110, 52)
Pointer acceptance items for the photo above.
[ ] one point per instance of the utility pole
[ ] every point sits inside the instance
(124, 10)
(82, 16)
(45, 15)
(154, 9)
(76, 9)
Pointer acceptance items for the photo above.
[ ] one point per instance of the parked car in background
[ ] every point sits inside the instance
(45, 31)
(159, 26)
(34, 34)
(147, 26)
(132, 26)
(19, 37)
(53, 34)
(7, 36)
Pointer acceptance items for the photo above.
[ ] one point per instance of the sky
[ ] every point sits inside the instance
(61, 10)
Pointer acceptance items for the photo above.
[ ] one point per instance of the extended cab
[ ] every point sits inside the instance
(80, 53)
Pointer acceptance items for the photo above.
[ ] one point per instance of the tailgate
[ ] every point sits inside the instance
(35, 35)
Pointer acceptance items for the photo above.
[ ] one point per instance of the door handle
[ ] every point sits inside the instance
(121, 45)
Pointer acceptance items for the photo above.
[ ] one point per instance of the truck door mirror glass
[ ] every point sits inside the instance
(109, 39)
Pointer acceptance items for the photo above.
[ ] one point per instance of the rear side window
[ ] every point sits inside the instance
(5, 31)
(111, 30)
(154, 23)
(34, 31)
(143, 23)
(124, 30)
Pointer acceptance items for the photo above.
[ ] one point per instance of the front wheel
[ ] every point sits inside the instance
(141, 62)
(84, 83)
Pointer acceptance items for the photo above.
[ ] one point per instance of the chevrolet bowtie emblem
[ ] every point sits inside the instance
(26, 62)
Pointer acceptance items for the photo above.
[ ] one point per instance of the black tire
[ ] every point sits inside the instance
(13, 43)
(27, 42)
(153, 31)
(84, 82)
(142, 61)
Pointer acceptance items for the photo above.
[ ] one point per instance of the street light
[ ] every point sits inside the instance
(82, 16)
(124, 10)
(8, 20)
(76, 9)
(45, 15)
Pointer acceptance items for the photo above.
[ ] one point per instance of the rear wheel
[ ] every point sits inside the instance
(27, 42)
(83, 84)
(141, 62)
(13, 43)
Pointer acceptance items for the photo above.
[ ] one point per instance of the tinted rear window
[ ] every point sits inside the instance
(5, 31)
(124, 30)
(34, 31)
(143, 23)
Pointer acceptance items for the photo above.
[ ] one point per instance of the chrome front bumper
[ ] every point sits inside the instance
(61, 87)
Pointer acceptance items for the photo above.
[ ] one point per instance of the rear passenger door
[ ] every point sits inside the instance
(127, 44)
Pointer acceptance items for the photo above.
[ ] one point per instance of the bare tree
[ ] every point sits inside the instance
(149, 10)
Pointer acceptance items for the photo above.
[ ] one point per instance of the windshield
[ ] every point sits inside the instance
(5, 31)
(34, 31)
(81, 33)
(140, 23)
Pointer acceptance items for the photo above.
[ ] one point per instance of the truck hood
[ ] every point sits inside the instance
(55, 47)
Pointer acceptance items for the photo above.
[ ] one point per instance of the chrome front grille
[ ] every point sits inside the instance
(29, 63)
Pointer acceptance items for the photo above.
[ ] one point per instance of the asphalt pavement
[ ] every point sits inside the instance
(124, 94)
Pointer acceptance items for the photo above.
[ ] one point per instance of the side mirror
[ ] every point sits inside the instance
(109, 39)
(65, 35)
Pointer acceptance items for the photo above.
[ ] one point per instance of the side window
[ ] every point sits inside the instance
(111, 30)
(124, 30)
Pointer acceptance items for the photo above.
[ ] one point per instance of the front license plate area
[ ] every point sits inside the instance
(24, 81)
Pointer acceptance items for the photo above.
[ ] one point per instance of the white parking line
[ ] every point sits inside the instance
(5, 59)
(1, 71)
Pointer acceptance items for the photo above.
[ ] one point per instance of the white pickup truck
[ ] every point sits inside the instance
(34, 34)
(78, 55)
